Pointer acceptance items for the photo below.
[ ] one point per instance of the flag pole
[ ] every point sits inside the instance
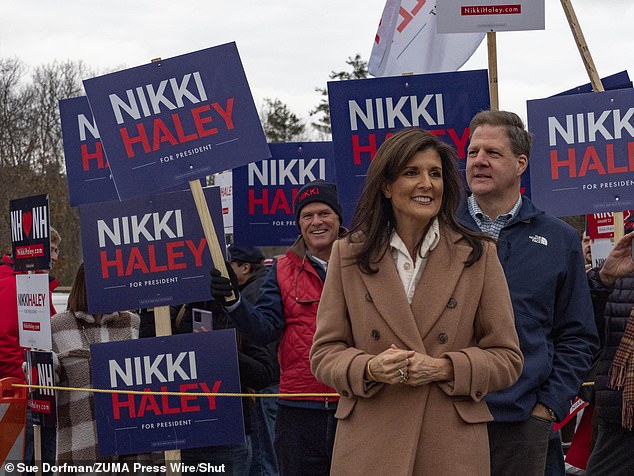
(595, 80)
(493, 70)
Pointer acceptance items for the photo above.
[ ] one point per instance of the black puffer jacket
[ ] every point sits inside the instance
(615, 316)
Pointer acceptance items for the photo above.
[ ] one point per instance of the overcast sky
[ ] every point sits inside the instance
(290, 47)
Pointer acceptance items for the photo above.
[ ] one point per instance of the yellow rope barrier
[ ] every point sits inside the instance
(189, 394)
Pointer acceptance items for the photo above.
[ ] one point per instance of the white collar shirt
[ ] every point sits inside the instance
(409, 270)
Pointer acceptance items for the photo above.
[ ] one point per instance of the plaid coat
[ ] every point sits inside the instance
(72, 335)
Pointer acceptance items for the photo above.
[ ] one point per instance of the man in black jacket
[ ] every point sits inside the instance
(613, 290)
(247, 263)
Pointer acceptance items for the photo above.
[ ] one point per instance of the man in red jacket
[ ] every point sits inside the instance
(287, 309)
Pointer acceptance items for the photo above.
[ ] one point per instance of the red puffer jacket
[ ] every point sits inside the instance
(300, 288)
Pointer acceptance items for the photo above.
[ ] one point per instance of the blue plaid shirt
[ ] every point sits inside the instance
(486, 223)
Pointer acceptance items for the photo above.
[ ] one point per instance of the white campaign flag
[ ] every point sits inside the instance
(407, 42)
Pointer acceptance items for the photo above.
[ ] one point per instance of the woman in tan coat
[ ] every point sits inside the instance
(415, 325)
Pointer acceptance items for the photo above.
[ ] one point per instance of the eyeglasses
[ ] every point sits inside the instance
(302, 300)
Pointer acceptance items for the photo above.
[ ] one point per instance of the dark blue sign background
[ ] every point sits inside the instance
(463, 95)
(142, 423)
(30, 233)
(591, 170)
(42, 402)
(177, 119)
(619, 80)
(156, 270)
(87, 171)
(263, 192)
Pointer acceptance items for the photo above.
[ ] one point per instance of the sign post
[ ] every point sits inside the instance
(595, 80)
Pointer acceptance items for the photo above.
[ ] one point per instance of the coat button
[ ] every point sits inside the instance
(452, 303)
(344, 393)
(376, 335)
(443, 338)
(368, 297)
(478, 394)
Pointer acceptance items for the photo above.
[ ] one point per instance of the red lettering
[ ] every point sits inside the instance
(97, 155)
(201, 121)
(136, 261)
(225, 114)
(358, 149)
(154, 267)
(117, 263)
(460, 142)
(280, 202)
(211, 398)
(407, 17)
(148, 403)
(162, 134)
(591, 161)
(185, 407)
(165, 402)
(173, 255)
(130, 141)
(264, 201)
(179, 130)
(197, 251)
(117, 405)
(571, 163)
(613, 169)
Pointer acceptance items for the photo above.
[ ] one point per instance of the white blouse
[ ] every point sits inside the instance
(408, 270)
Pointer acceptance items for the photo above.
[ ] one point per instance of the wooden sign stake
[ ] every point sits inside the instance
(493, 70)
(595, 80)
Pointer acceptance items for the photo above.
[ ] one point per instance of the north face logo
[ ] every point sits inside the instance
(539, 239)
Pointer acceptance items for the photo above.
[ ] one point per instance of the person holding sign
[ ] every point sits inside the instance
(613, 291)
(544, 267)
(286, 309)
(73, 331)
(415, 326)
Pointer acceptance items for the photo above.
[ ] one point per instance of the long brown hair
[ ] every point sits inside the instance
(77, 299)
(374, 215)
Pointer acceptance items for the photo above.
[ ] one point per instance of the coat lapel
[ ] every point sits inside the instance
(388, 296)
(438, 282)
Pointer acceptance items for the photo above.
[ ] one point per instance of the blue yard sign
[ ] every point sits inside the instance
(264, 191)
(171, 121)
(87, 170)
(365, 112)
(147, 252)
(583, 152)
(205, 362)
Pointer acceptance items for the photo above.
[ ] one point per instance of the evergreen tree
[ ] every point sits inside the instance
(279, 123)
(322, 110)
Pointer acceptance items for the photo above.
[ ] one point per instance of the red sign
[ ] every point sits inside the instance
(601, 225)
(31, 326)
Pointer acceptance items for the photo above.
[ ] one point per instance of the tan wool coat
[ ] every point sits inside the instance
(461, 313)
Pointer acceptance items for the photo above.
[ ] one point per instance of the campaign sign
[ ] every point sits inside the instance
(601, 225)
(175, 120)
(620, 80)
(87, 171)
(42, 401)
(34, 311)
(264, 191)
(224, 181)
(148, 251)
(30, 237)
(583, 152)
(205, 362)
(365, 112)
(460, 16)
